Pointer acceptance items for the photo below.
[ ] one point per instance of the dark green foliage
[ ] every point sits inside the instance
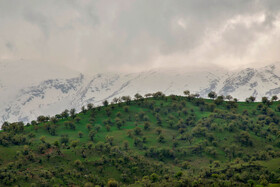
(212, 95)
(64, 139)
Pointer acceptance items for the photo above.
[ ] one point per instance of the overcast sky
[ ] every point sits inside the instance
(130, 35)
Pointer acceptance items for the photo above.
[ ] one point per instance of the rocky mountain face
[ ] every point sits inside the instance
(46, 95)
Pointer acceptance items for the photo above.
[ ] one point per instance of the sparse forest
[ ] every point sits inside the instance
(151, 140)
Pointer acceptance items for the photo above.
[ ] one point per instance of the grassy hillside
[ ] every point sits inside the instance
(172, 141)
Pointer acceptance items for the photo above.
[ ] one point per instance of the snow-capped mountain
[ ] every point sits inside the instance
(33, 93)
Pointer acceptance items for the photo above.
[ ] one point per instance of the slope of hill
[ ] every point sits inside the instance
(25, 98)
(172, 141)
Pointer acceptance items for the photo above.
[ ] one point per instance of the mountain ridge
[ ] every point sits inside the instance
(53, 95)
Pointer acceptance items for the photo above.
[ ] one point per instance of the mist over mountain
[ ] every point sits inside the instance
(35, 92)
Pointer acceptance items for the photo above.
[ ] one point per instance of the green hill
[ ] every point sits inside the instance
(156, 141)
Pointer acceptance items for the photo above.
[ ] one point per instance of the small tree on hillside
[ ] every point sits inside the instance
(89, 127)
(74, 144)
(64, 139)
(159, 131)
(84, 109)
(119, 123)
(97, 128)
(187, 93)
(89, 106)
(147, 125)
(137, 131)
(212, 95)
(65, 113)
(91, 135)
(137, 96)
(219, 100)
(126, 99)
(274, 98)
(80, 134)
(110, 139)
(229, 97)
(125, 145)
(158, 94)
(250, 99)
(161, 139)
(196, 95)
(266, 101)
(112, 183)
(41, 119)
(105, 103)
(43, 139)
(70, 124)
(108, 128)
(116, 100)
(54, 119)
(126, 108)
(73, 113)
(77, 119)
(148, 95)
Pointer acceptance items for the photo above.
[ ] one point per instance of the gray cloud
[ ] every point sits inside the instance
(132, 35)
(10, 46)
(39, 20)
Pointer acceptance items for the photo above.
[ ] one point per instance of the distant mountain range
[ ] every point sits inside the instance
(45, 90)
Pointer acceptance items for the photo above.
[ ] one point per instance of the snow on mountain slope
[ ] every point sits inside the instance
(18, 76)
(256, 82)
(53, 93)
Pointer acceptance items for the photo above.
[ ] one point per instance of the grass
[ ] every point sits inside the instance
(183, 151)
